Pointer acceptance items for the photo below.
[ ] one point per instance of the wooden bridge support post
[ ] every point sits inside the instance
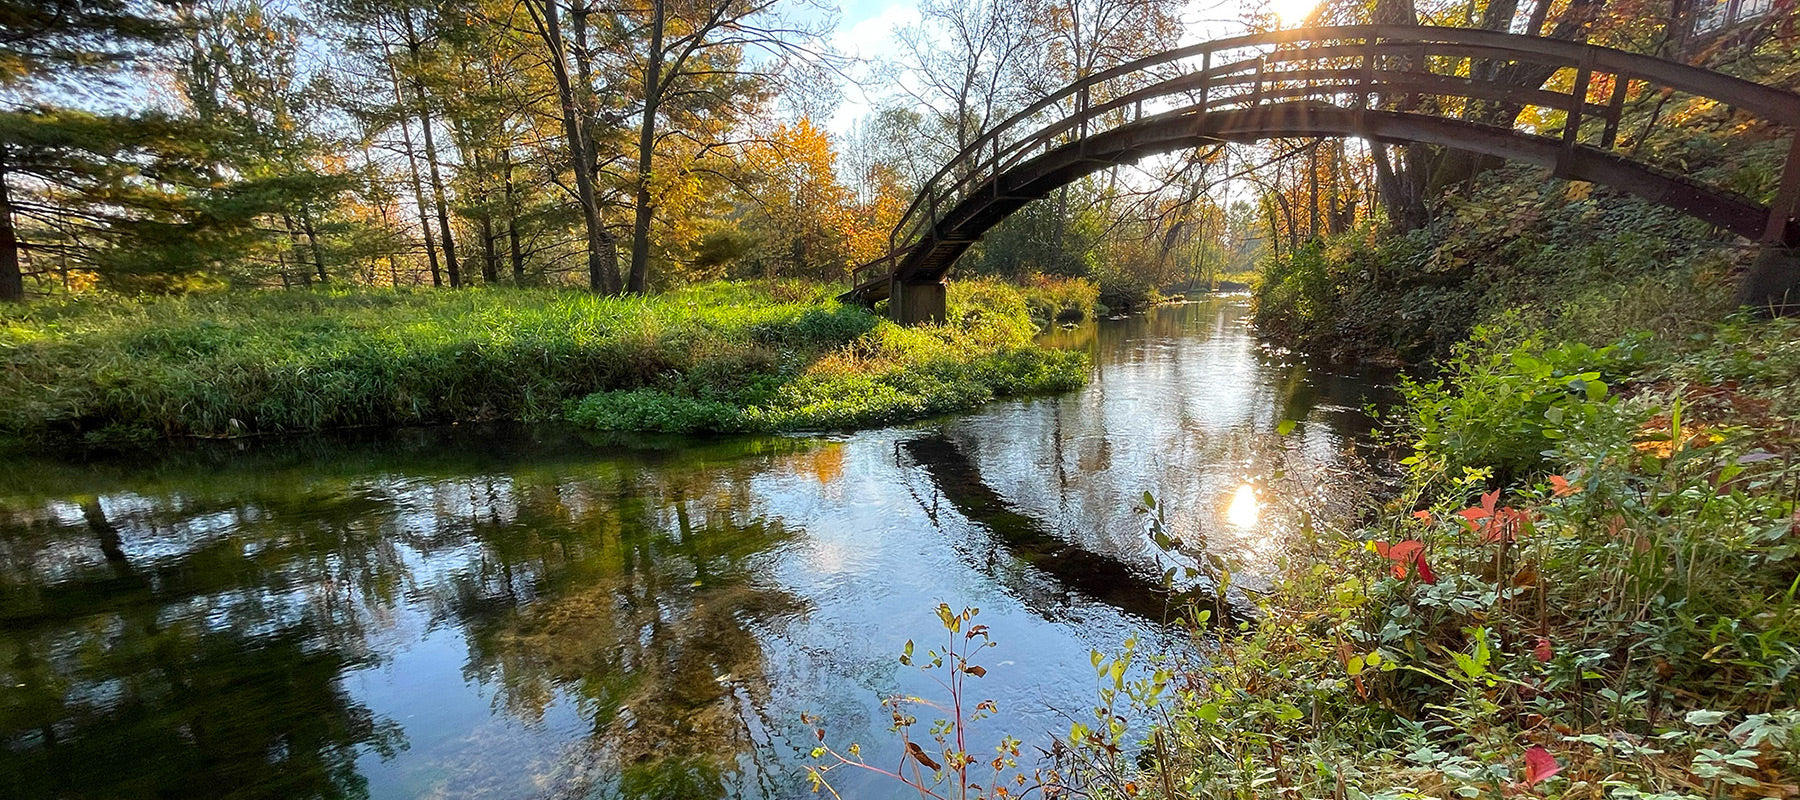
(1772, 286)
(917, 304)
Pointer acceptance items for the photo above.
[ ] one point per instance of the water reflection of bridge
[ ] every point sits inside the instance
(1065, 569)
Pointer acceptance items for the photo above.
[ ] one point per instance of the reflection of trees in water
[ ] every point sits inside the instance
(1019, 538)
(196, 635)
(650, 620)
(204, 666)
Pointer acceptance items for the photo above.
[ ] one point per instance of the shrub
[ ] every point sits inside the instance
(1504, 408)
(654, 411)
(1053, 299)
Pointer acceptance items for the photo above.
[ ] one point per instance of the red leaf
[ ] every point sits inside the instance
(1424, 516)
(1411, 551)
(1403, 552)
(1473, 514)
(1539, 766)
(1425, 573)
(1489, 500)
(1504, 526)
(1542, 651)
(1560, 486)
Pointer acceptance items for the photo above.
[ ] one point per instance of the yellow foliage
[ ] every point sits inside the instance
(806, 218)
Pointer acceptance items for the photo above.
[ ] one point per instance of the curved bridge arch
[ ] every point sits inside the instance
(1369, 82)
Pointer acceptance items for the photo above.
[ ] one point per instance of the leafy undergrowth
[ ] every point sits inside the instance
(1573, 257)
(1587, 589)
(887, 374)
(110, 369)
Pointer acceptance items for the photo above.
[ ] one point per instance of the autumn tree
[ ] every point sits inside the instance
(801, 217)
(703, 62)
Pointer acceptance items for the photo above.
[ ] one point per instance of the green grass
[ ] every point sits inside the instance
(1054, 299)
(107, 369)
(889, 374)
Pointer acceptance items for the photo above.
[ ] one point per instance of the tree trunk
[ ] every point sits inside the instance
(512, 220)
(1312, 179)
(437, 189)
(418, 184)
(640, 229)
(479, 192)
(490, 256)
(12, 279)
(431, 157)
(1405, 205)
(603, 255)
(293, 233)
(312, 243)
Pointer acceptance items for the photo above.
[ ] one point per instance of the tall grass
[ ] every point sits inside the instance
(1053, 299)
(240, 363)
(983, 351)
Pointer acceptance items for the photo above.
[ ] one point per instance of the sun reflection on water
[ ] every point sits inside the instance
(1242, 511)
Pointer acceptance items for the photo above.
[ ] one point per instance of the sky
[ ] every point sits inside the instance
(866, 30)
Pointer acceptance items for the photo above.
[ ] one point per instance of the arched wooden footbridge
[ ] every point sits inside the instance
(1385, 83)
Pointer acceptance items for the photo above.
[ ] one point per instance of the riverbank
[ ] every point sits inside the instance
(715, 357)
(1585, 588)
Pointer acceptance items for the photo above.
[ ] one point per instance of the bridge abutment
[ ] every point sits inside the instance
(1772, 286)
(916, 304)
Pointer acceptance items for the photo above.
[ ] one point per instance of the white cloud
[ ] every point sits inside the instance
(869, 38)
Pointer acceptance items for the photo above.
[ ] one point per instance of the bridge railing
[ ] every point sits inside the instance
(1447, 71)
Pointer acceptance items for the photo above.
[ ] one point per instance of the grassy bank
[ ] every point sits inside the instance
(106, 370)
(1053, 299)
(888, 373)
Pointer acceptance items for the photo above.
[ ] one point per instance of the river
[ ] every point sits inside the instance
(521, 612)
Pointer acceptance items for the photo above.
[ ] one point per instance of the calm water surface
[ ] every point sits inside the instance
(469, 612)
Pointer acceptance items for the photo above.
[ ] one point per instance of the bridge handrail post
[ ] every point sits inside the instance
(1081, 109)
(1584, 73)
(1310, 57)
(1786, 204)
(1205, 79)
(994, 170)
(1365, 81)
(1615, 109)
(931, 202)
